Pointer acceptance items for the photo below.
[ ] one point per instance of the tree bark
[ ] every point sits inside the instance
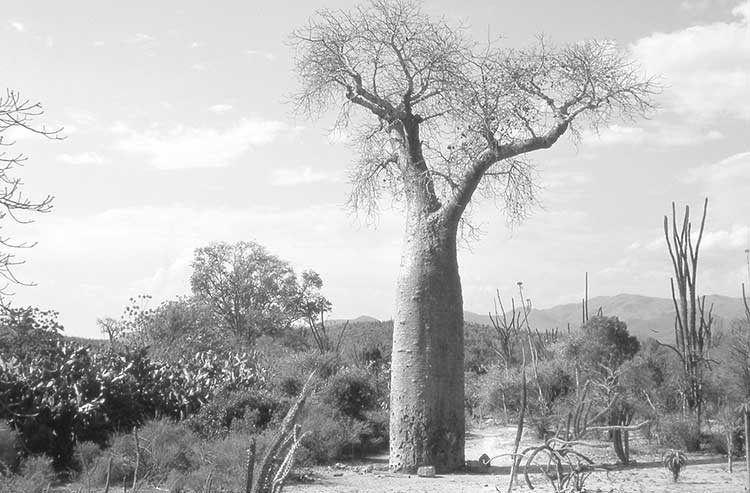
(427, 374)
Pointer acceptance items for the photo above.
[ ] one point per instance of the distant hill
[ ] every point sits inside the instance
(362, 319)
(644, 315)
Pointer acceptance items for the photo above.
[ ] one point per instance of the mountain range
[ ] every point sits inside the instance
(645, 316)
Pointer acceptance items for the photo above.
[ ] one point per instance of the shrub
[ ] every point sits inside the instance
(334, 435)
(164, 446)
(351, 392)
(87, 456)
(718, 443)
(291, 372)
(247, 410)
(19, 484)
(679, 433)
(37, 470)
(499, 389)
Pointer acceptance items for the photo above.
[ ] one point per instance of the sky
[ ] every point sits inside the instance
(180, 131)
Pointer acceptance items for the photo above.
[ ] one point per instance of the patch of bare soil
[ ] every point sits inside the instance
(704, 473)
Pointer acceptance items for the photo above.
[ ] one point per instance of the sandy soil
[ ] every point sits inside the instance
(705, 474)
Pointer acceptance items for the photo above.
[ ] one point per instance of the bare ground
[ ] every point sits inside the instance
(704, 473)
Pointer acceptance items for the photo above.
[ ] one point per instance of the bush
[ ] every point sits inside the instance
(87, 456)
(19, 484)
(247, 410)
(499, 389)
(718, 443)
(334, 435)
(679, 432)
(351, 392)
(97, 392)
(35, 475)
(164, 446)
(291, 372)
(224, 459)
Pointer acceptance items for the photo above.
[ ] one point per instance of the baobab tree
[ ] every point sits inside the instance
(440, 119)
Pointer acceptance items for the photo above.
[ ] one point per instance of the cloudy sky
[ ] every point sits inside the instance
(179, 133)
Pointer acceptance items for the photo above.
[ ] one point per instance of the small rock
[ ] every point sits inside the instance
(339, 465)
(426, 472)
(367, 469)
(379, 476)
(338, 474)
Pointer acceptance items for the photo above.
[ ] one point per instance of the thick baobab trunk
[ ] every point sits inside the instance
(427, 374)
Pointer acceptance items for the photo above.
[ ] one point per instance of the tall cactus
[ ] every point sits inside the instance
(692, 322)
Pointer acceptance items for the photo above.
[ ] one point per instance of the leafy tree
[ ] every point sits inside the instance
(252, 292)
(442, 119)
(603, 341)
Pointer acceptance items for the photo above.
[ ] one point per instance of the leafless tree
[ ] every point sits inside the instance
(17, 114)
(442, 118)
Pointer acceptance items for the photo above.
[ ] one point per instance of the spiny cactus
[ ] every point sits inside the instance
(268, 475)
(674, 461)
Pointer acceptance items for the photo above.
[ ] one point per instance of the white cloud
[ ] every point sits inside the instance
(18, 26)
(220, 108)
(199, 67)
(291, 177)
(655, 134)
(179, 146)
(706, 68)
(734, 170)
(736, 238)
(82, 158)
(263, 54)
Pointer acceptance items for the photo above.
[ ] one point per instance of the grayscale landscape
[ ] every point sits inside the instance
(375, 245)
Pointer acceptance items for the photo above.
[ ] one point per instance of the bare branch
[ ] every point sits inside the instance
(452, 116)
(18, 113)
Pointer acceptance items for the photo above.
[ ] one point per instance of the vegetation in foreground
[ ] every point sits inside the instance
(124, 414)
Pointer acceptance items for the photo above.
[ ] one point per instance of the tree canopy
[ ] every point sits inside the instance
(252, 292)
(479, 107)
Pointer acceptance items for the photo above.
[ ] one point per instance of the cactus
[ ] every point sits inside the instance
(278, 459)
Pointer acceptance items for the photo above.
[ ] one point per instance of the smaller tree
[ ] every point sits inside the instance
(252, 292)
(606, 341)
(598, 353)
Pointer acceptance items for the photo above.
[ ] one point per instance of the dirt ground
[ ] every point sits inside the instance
(704, 473)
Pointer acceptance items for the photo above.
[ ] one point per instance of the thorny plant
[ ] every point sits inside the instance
(565, 469)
